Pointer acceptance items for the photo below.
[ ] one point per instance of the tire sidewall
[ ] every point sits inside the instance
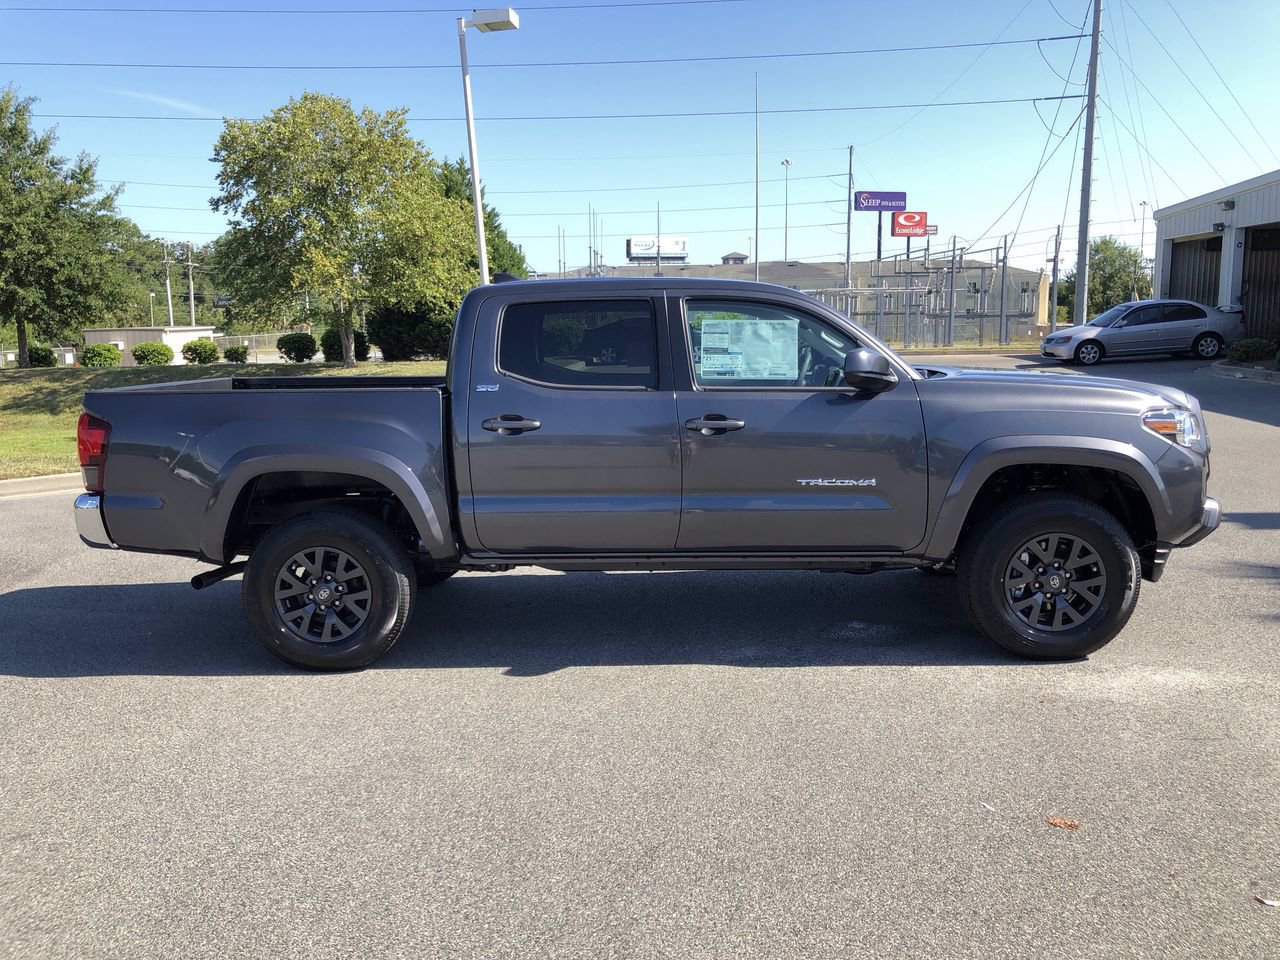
(369, 640)
(991, 562)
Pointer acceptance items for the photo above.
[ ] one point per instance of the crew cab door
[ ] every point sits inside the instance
(571, 445)
(779, 454)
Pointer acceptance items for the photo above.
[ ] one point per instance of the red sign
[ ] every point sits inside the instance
(909, 223)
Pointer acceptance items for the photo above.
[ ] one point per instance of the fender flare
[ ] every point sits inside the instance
(995, 454)
(425, 507)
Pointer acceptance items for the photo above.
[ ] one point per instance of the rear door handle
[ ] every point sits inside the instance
(714, 424)
(510, 424)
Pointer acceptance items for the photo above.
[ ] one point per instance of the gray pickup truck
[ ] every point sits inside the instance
(645, 424)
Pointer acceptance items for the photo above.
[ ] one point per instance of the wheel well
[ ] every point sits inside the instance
(271, 498)
(1115, 492)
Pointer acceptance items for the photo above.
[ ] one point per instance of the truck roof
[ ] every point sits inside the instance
(607, 284)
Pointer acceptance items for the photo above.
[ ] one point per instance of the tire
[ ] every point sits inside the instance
(1207, 346)
(1089, 353)
(1087, 542)
(357, 558)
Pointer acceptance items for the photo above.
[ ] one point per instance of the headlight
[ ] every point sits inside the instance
(1176, 424)
(1052, 341)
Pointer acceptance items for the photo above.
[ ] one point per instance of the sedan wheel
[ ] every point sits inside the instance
(1088, 353)
(1207, 346)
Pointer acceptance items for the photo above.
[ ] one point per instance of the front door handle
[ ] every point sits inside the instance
(714, 424)
(510, 424)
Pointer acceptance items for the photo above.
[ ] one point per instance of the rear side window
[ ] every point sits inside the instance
(580, 343)
(1182, 311)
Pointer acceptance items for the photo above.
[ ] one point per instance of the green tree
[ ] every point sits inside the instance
(1117, 272)
(58, 232)
(139, 258)
(342, 208)
(504, 255)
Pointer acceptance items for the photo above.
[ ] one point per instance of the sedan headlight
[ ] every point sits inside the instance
(1056, 341)
(1175, 424)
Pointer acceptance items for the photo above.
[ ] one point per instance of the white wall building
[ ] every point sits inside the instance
(126, 338)
(1224, 248)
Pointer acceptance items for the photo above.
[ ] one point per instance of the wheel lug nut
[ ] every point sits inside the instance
(342, 589)
(328, 576)
(1036, 585)
(314, 581)
(310, 596)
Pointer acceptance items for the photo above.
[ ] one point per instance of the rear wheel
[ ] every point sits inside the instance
(329, 590)
(1052, 576)
(1089, 353)
(1207, 346)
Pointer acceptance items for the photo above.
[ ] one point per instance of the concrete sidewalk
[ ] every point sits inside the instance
(50, 483)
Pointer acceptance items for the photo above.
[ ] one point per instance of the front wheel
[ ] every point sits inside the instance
(1088, 353)
(1207, 346)
(1052, 576)
(329, 590)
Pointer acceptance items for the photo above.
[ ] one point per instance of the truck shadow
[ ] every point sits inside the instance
(523, 624)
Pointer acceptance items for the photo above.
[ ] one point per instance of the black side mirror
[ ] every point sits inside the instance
(868, 371)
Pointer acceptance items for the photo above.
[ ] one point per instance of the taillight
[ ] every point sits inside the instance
(92, 435)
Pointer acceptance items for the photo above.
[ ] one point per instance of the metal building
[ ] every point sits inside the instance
(1223, 248)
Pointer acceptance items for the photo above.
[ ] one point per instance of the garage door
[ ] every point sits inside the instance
(1193, 270)
(1261, 289)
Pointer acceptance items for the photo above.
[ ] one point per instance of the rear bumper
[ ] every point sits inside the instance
(89, 523)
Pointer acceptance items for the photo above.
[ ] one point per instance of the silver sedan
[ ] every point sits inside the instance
(1147, 326)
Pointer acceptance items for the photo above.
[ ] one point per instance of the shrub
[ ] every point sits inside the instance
(238, 353)
(410, 334)
(200, 351)
(100, 355)
(331, 346)
(41, 356)
(297, 347)
(152, 354)
(1251, 350)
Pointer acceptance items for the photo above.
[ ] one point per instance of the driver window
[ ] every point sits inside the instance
(738, 344)
(1142, 316)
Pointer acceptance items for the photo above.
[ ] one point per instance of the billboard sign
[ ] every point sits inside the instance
(877, 200)
(931, 230)
(646, 248)
(910, 223)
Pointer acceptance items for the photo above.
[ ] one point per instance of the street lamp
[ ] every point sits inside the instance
(1142, 248)
(786, 208)
(486, 21)
(152, 296)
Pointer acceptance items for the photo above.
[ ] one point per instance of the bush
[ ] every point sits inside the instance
(41, 356)
(297, 347)
(331, 346)
(1251, 350)
(100, 355)
(200, 351)
(152, 354)
(410, 334)
(236, 354)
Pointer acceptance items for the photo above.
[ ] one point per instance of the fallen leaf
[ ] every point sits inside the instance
(1265, 901)
(1062, 823)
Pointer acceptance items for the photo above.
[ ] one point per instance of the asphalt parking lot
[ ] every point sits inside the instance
(649, 765)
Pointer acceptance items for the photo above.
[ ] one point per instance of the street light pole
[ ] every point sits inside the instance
(151, 295)
(486, 21)
(1142, 250)
(786, 209)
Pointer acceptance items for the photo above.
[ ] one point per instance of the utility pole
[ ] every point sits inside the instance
(848, 229)
(757, 178)
(1086, 173)
(1004, 276)
(951, 297)
(168, 291)
(191, 281)
(657, 260)
(1053, 289)
(786, 210)
(879, 231)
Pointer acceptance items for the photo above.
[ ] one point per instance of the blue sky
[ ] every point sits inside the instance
(964, 165)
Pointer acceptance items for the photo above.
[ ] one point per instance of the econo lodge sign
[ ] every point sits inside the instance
(910, 223)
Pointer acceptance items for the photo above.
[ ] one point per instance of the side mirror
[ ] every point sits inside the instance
(868, 371)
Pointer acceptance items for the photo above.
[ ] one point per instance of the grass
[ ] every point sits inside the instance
(39, 408)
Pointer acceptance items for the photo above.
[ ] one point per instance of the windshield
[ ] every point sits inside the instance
(1109, 317)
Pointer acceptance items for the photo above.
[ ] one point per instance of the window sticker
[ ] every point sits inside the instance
(750, 348)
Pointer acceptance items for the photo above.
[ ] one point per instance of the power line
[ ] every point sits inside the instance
(526, 64)
(313, 11)
(703, 114)
(1194, 86)
(1150, 156)
(1142, 120)
(1226, 85)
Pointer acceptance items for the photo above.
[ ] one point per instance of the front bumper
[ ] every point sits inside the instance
(89, 523)
(1058, 351)
(1209, 521)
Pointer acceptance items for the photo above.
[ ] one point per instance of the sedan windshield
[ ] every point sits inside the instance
(1109, 317)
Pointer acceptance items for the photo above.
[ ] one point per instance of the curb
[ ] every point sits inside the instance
(51, 483)
(1228, 371)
